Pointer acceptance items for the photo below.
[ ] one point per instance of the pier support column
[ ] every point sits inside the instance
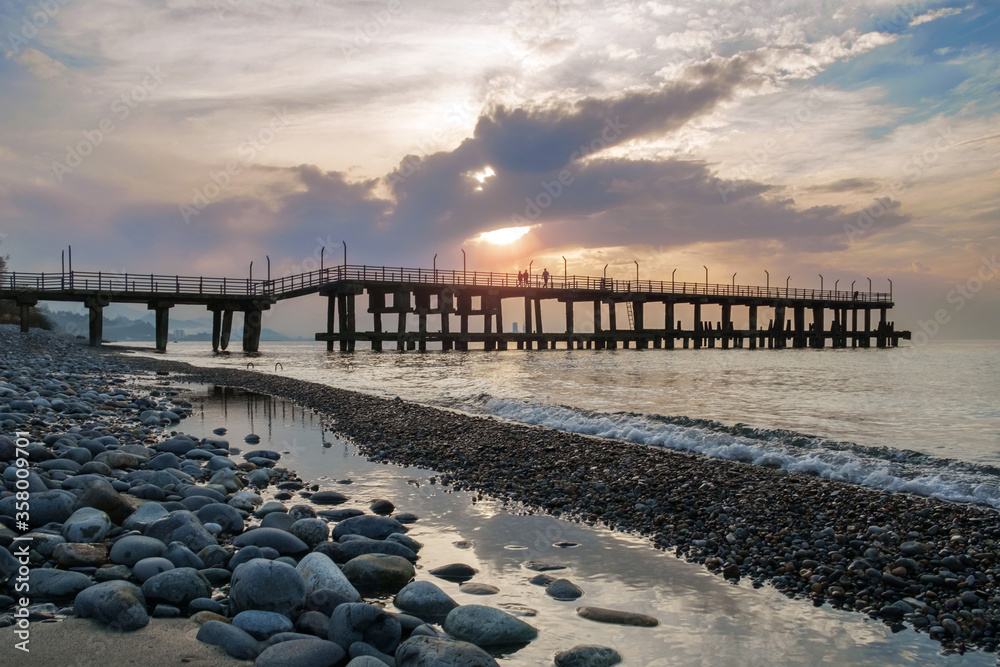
(569, 320)
(351, 322)
(882, 328)
(446, 304)
(488, 342)
(96, 306)
(331, 314)
(698, 326)
(376, 304)
(819, 328)
(727, 320)
(753, 327)
(401, 328)
(227, 328)
(800, 327)
(217, 329)
(668, 324)
(342, 320)
(162, 327)
(23, 311)
(866, 339)
(597, 324)
(464, 306)
(779, 327)
(854, 327)
(251, 329)
(612, 325)
(498, 312)
(527, 321)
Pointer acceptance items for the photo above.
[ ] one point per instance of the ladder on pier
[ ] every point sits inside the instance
(631, 315)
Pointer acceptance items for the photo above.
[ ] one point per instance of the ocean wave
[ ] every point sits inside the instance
(898, 470)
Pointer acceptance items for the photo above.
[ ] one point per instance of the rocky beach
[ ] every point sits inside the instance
(126, 520)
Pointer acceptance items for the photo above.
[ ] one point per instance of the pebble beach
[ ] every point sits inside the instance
(130, 522)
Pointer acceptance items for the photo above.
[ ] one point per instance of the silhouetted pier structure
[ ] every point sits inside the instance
(468, 295)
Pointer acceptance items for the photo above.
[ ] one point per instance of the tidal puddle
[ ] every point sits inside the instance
(704, 620)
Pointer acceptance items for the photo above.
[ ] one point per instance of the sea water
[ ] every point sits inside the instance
(921, 419)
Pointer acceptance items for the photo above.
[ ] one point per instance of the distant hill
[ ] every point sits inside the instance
(123, 328)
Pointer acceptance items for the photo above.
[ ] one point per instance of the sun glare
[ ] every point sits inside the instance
(481, 176)
(504, 236)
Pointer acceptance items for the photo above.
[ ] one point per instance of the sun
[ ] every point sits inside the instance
(504, 236)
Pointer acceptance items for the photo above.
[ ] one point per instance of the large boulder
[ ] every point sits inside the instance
(310, 530)
(235, 642)
(361, 622)
(177, 587)
(228, 517)
(262, 624)
(341, 552)
(424, 600)
(319, 572)
(99, 494)
(117, 604)
(181, 526)
(486, 626)
(424, 651)
(266, 585)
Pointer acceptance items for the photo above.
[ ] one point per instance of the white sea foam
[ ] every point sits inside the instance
(926, 476)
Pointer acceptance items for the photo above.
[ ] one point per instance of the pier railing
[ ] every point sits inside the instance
(89, 281)
(387, 274)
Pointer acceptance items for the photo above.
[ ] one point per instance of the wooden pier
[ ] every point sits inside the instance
(776, 317)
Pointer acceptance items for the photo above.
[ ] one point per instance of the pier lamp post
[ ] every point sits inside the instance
(268, 257)
(734, 280)
(672, 279)
(706, 276)
(636, 274)
(345, 257)
(434, 265)
(853, 298)
(820, 281)
(71, 260)
(565, 272)
(890, 289)
(463, 261)
(63, 261)
(869, 289)
(322, 251)
(251, 270)
(768, 281)
(529, 271)
(786, 285)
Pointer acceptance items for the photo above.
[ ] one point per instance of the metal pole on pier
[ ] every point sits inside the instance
(345, 255)
(565, 272)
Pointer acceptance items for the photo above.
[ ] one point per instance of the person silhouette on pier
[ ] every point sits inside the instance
(520, 278)
(855, 295)
(545, 277)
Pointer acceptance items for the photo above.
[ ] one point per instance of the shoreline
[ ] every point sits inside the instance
(901, 558)
(925, 563)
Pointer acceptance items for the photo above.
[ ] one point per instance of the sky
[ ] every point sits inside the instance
(848, 139)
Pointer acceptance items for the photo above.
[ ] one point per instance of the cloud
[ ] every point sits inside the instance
(41, 65)
(849, 185)
(933, 15)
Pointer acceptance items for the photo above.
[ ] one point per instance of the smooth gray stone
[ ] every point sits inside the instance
(181, 556)
(268, 586)
(177, 587)
(205, 604)
(131, 549)
(368, 661)
(286, 544)
(406, 541)
(217, 576)
(563, 589)
(313, 623)
(361, 622)
(232, 640)
(46, 507)
(319, 573)
(278, 520)
(617, 617)
(150, 567)
(50, 584)
(353, 546)
(270, 507)
(486, 626)
(262, 624)
(313, 652)
(455, 572)
(215, 556)
(117, 604)
(374, 527)
(310, 530)
(8, 564)
(587, 655)
(145, 515)
(363, 650)
(87, 525)
(379, 573)
(424, 651)
(245, 554)
(181, 526)
(326, 600)
(424, 600)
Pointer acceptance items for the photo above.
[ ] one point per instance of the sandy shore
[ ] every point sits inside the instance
(78, 642)
(905, 559)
